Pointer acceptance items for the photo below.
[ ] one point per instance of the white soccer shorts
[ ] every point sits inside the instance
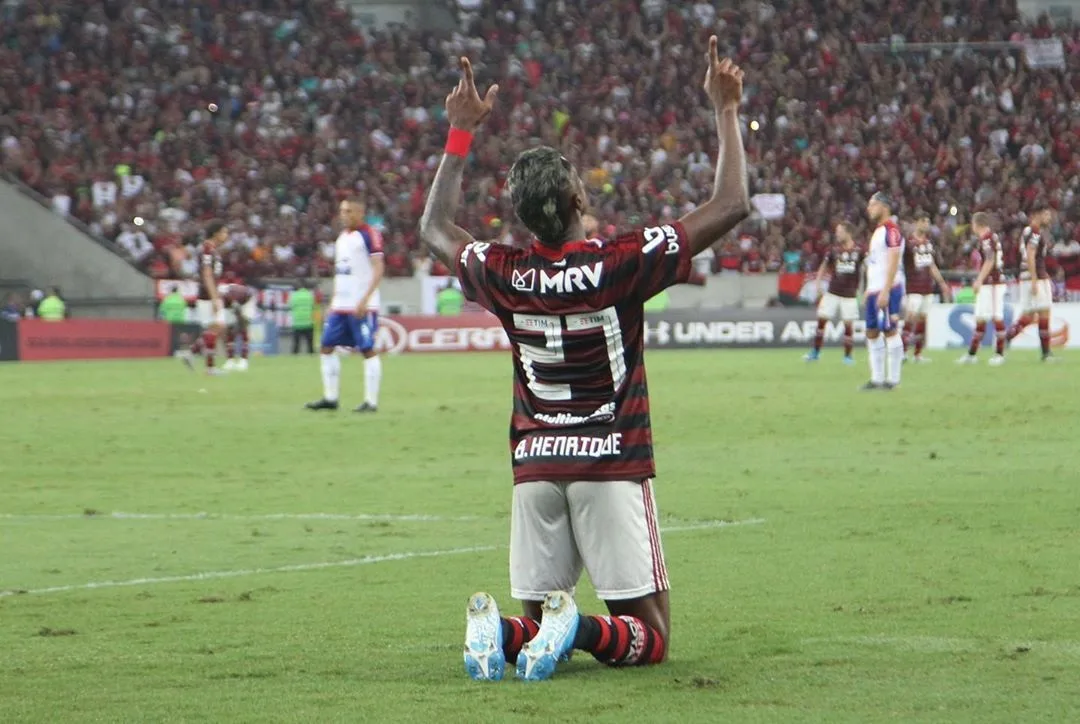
(208, 316)
(831, 305)
(990, 302)
(919, 304)
(1041, 299)
(608, 528)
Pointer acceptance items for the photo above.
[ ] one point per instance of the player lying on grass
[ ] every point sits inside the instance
(580, 433)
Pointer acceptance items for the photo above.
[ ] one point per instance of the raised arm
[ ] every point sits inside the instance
(730, 202)
(465, 110)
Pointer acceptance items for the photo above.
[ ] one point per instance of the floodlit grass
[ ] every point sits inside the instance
(917, 559)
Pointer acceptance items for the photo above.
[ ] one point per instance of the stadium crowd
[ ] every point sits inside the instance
(142, 120)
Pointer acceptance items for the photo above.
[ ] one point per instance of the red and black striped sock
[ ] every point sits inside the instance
(920, 335)
(1018, 327)
(244, 347)
(849, 339)
(999, 336)
(210, 346)
(230, 344)
(517, 631)
(819, 335)
(620, 640)
(977, 338)
(1044, 334)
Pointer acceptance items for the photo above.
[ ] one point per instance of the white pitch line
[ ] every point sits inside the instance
(210, 575)
(373, 517)
(119, 515)
(366, 560)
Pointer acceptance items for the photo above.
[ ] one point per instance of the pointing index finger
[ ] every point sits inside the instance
(713, 55)
(466, 69)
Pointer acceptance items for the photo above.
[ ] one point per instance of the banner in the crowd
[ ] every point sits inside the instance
(1044, 53)
(471, 332)
(769, 206)
(93, 339)
(270, 304)
(189, 288)
(953, 325)
(718, 328)
(9, 341)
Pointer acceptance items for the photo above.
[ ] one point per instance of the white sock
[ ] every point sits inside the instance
(876, 355)
(331, 376)
(895, 347)
(372, 378)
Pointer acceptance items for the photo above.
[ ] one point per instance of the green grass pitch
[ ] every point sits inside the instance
(905, 556)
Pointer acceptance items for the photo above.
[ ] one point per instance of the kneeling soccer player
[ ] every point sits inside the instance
(580, 434)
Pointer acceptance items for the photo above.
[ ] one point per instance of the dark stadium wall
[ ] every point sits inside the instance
(42, 247)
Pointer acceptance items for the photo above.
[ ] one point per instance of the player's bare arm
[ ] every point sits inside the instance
(210, 283)
(821, 275)
(378, 269)
(891, 266)
(466, 111)
(939, 279)
(984, 271)
(730, 202)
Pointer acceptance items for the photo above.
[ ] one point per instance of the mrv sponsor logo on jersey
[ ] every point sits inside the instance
(569, 446)
(584, 278)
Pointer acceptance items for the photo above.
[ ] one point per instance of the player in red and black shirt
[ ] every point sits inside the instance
(210, 308)
(235, 295)
(1036, 290)
(580, 433)
(922, 273)
(990, 288)
(843, 263)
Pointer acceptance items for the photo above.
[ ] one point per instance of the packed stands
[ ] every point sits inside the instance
(144, 119)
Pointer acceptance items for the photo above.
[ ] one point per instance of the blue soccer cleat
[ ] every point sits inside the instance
(553, 642)
(812, 356)
(849, 360)
(484, 657)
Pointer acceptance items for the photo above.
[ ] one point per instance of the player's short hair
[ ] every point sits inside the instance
(354, 200)
(882, 198)
(213, 228)
(981, 218)
(541, 185)
(922, 216)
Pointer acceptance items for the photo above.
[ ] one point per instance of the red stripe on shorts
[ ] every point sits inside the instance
(659, 568)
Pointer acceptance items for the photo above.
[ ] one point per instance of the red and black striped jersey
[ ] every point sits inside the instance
(575, 320)
(990, 248)
(209, 258)
(845, 268)
(1036, 238)
(919, 259)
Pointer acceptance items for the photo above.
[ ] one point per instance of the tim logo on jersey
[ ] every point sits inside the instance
(584, 278)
